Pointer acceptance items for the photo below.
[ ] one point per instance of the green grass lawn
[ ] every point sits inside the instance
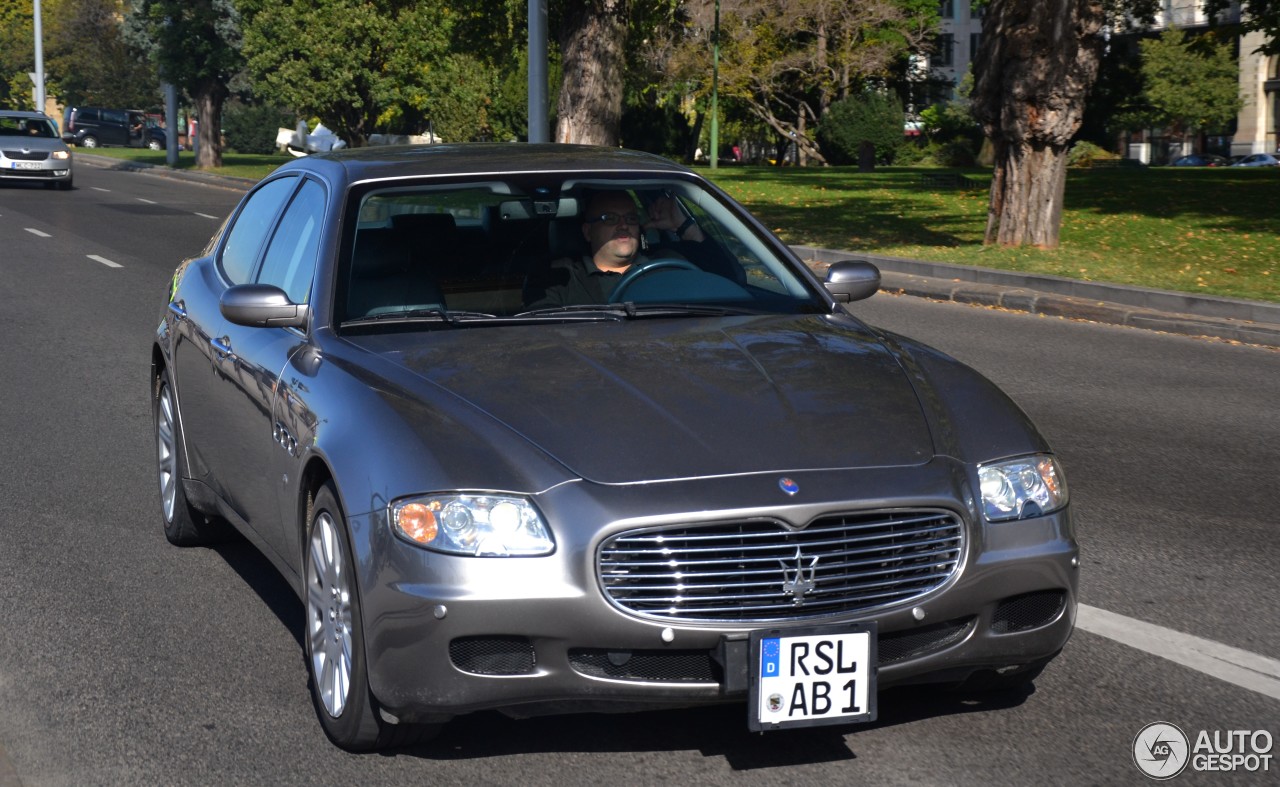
(1212, 231)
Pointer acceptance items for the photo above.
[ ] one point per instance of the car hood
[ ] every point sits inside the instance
(666, 399)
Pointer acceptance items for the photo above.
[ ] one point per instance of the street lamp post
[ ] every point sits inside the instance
(715, 90)
(38, 76)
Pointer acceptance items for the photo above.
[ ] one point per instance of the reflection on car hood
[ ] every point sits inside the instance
(31, 143)
(652, 400)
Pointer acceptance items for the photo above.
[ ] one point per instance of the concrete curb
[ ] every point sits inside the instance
(1234, 320)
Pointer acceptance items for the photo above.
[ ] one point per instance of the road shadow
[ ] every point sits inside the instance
(263, 578)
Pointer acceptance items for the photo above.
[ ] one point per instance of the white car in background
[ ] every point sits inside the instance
(31, 149)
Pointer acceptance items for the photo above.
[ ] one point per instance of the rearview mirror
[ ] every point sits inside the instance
(852, 280)
(262, 306)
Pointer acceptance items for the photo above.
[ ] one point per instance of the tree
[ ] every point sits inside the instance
(1191, 84)
(873, 117)
(787, 62)
(1036, 64)
(17, 54)
(196, 46)
(88, 60)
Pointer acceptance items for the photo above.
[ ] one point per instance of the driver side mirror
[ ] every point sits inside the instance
(262, 306)
(852, 280)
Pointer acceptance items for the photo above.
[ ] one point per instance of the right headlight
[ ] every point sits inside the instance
(480, 525)
(1022, 488)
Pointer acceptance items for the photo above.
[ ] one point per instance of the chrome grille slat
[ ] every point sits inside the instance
(744, 570)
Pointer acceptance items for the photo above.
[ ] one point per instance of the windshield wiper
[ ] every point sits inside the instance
(692, 309)
(589, 311)
(432, 314)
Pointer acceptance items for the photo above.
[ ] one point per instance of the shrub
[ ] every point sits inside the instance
(250, 128)
(1086, 154)
(871, 117)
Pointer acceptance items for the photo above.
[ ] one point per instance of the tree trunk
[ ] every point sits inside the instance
(1037, 61)
(209, 100)
(592, 46)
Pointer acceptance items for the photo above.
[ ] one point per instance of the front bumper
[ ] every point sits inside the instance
(56, 171)
(451, 635)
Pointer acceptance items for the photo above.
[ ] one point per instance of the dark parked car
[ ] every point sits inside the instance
(1202, 160)
(31, 150)
(91, 127)
(539, 428)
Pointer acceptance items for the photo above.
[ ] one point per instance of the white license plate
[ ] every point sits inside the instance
(27, 164)
(812, 676)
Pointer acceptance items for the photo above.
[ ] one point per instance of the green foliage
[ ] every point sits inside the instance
(89, 61)
(872, 116)
(17, 55)
(1191, 84)
(1086, 154)
(250, 128)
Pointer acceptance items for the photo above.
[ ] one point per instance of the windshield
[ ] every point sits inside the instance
(542, 248)
(39, 128)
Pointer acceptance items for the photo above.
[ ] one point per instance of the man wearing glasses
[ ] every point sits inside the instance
(611, 227)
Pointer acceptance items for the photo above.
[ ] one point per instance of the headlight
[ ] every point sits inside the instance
(61, 155)
(472, 524)
(1022, 488)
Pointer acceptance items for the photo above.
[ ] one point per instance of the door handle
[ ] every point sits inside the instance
(221, 346)
(178, 309)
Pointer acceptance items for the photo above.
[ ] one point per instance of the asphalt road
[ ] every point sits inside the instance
(126, 661)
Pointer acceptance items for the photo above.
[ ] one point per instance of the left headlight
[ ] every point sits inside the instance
(472, 524)
(1022, 488)
(61, 155)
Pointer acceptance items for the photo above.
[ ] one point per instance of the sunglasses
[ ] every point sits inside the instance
(630, 219)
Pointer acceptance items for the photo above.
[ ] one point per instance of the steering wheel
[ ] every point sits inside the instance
(643, 268)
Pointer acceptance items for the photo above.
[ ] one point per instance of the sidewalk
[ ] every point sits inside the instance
(1186, 314)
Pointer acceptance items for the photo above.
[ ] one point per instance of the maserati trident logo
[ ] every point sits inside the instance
(798, 582)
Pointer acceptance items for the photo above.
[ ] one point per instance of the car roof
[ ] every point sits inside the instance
(352, 165)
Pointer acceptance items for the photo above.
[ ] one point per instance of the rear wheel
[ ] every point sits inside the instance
(184, 526)
(334, 639)
(154, 144)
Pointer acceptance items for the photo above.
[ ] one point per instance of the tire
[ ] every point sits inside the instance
(89, 142)
(184, 526)
(334, 639)
(154, 144)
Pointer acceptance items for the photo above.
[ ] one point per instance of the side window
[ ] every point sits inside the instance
(290, 261)
(245, 238)
(113, 116)
(87, 115)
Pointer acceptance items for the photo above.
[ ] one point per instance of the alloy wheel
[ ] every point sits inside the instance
(329, 615)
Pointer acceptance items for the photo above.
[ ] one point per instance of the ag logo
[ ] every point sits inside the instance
(1160, 750)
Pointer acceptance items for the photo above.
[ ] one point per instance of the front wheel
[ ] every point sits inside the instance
(184, 526)
(89, 142)
(154, 144)
(334, 639)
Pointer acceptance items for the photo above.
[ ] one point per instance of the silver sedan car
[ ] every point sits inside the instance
(545, 429)
(32, 150)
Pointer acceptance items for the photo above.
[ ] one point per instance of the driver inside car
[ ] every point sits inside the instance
(611, 226)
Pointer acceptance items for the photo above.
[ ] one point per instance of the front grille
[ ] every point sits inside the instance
(681, 666)
(26, 155)
(761, 570)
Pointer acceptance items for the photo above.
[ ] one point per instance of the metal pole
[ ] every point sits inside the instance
(539, 128)
(171, 125)
(715, 91)
(39, 75)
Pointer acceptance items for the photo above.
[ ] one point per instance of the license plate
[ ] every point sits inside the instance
(27, 164)
(812, 676)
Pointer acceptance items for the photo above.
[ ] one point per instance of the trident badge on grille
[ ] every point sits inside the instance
(798, 582)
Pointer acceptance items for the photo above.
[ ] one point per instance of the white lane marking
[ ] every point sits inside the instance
(148, 201)
(37, 232)
(104, 261)
(207, 216)
(1240, 667)
(99, 188)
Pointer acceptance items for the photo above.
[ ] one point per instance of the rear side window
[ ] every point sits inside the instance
(244, 239)
(113, 116)
(87, 115)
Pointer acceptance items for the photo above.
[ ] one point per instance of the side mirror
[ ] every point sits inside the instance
(262, 306)
(852, 280)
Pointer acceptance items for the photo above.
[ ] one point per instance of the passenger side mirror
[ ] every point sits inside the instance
(852, 280)
(262, 306)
